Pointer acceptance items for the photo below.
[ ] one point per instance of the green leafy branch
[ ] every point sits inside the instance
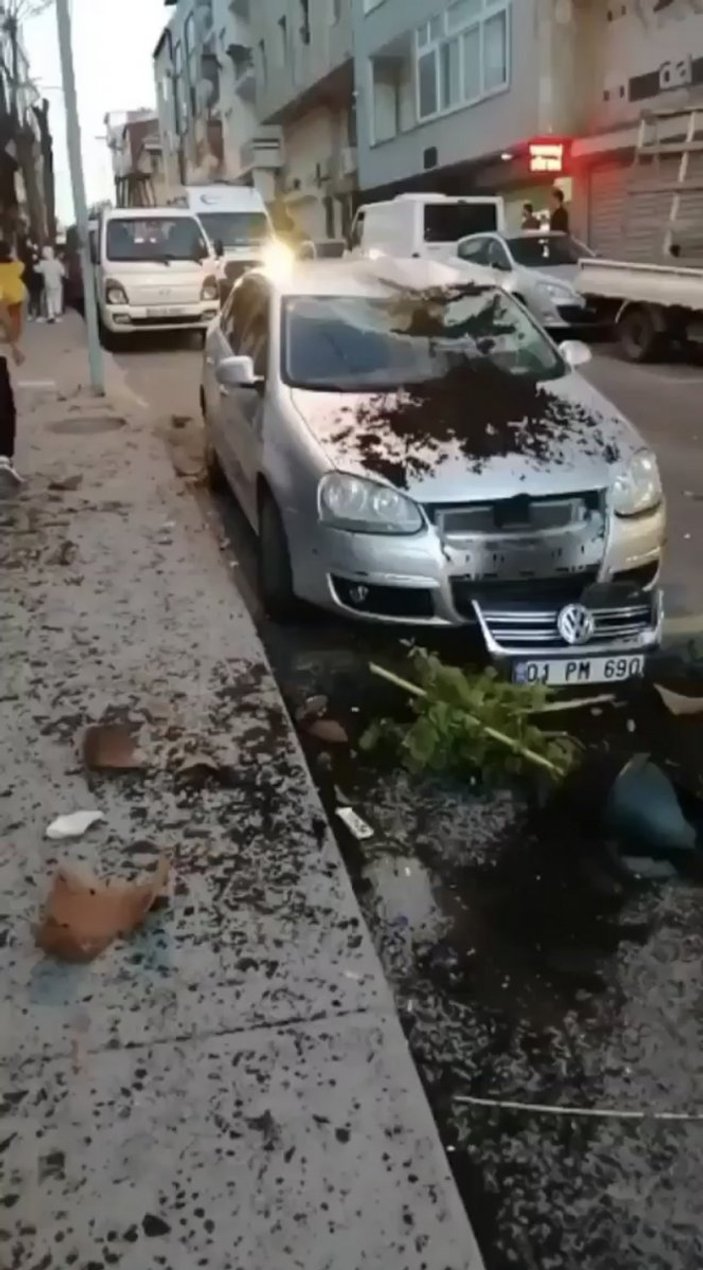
(467, 721)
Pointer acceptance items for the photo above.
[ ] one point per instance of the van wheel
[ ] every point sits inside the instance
(275, 573)
(638, 337)
(108, 339)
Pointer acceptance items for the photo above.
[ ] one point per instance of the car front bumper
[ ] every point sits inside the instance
(168, 317)
(422, 580)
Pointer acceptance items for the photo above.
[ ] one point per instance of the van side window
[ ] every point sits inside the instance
(357, 229)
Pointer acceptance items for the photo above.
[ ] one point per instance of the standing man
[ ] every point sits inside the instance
(559, 216)
(53, 274)
(529, 220)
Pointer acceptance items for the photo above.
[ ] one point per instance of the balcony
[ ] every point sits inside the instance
(264, 150)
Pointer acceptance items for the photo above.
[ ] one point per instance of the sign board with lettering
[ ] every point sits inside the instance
(548, 157)
(676, 74)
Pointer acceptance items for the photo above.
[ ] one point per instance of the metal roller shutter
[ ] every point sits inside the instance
(630, 224)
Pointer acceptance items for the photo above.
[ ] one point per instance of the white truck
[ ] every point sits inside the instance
(652, 306)
(422, 225)
(236, 222)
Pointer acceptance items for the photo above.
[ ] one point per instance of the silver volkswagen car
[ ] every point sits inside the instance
(540, 268)
(411, 447)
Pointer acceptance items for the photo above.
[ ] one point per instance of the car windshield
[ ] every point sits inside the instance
(235, 229)
(366, 344)
(163, 238)
(448, 222)
(536, 251)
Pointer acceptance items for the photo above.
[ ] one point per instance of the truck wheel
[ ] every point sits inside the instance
(275, 573)
(639, 339)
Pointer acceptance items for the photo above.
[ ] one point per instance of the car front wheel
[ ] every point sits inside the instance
(275, 573)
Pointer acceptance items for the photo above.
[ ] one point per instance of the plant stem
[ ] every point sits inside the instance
(416, 691)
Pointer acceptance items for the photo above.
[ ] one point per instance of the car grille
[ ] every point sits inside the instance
(577, 315)
(456, 522)
(512, 629)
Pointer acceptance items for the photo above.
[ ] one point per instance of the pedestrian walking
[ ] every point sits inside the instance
(52, 271)
(529, 220)
(12, 287)
(9, 476)
(559, 216)
(29, 255)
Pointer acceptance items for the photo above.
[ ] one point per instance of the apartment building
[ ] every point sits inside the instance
(262, 92)
(516, 95)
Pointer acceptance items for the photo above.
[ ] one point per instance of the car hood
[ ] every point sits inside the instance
(556, 273)
(516, 438)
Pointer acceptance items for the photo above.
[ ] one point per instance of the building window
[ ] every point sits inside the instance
(263, 68)
(191, 62)
(335, 11)
(462, 55)
(304, 21)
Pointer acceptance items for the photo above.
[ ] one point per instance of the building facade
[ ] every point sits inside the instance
(512, 96)
(262, 92)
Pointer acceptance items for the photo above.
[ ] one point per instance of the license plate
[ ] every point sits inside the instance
(161, 312)
(561, 672)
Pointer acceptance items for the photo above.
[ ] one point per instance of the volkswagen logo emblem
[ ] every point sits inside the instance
(575, 624)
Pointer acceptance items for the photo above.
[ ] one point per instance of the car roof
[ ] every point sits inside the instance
(148, 213)
(374, 277)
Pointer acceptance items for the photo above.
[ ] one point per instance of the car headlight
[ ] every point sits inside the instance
(115, 292)
(639, 489)
(277, 258)
(350, 502)
(558, 293)
(210, 290)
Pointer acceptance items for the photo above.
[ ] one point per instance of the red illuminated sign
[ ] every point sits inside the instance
(547, 157)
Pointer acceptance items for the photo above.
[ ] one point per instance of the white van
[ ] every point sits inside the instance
(236, 222)
(155, 272)
(422, 224)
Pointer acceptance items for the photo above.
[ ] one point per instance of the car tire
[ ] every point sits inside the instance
(638, 337)
(274, 567)
(216, 479)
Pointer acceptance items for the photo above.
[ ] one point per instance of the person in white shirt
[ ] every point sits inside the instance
(52, 272)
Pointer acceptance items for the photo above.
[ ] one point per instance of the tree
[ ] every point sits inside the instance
(20, 146)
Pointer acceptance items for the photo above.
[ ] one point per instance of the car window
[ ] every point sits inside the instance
(243, 300)
(535, 251)
(255, 338)
(497, 256)
(475, 250)
(366, 344)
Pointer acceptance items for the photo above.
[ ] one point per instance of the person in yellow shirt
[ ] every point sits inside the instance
(9, 332)
(13, 289)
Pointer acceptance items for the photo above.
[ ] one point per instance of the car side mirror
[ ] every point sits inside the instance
(575, 353)
(237, 372)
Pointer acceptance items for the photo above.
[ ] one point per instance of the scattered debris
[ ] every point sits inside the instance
(180, 421)
(84, 915)
(64, 554)
(111, 747)
(328, 731)
(678, 704)
(576, 703)
(312, 708)
(354, 823)
(194, 769)
(73, 825)
(67, 483)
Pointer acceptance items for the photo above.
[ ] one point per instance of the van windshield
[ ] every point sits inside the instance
(448, 222)
(236, 229)
(364, 344)
(161, 238)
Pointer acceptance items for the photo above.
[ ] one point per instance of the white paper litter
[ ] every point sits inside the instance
(354, 823)
(74, 825)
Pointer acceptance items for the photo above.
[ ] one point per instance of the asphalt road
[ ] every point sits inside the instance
(524, 973)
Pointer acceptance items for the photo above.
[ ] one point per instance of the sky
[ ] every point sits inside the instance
(113, 41)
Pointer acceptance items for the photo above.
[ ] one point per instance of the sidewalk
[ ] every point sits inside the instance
(231, 1088)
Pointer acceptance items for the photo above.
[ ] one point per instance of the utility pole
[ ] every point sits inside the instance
(75, 159)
